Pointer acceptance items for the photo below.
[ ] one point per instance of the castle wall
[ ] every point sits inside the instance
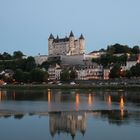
(60, 48)
(72, 59)
(66, 46)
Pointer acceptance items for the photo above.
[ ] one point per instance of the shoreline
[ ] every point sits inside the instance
(68, 86)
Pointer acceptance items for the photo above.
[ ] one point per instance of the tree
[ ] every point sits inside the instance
(45, 65)
(37, 75)
(118, 48)
(128, 73)
(115, 71)
(17, 55)
(46, 76)
(135, 70)
(30, 64)
(26, 77)
(73, 74)
(135, 50)
(65, 75)
(6, 56)
(19, 75)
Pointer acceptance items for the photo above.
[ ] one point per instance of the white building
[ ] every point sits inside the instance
(54, 72)
(106, 73)
(96, 54)
(131, 62)
(90, 72)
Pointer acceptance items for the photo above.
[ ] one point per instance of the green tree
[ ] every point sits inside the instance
(135, 70)
(18, 55)
(135, 50)
(6, 56)
(65, 75)
(73, 74)
(30, 63)
(26, 77)
(115, 71)
(118, 48)
(45, 65)
(18, 75)
(128, 73)
(37, 75)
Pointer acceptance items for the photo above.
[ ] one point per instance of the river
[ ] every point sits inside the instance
(69, 114)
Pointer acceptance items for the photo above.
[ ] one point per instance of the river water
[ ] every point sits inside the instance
(69, 114)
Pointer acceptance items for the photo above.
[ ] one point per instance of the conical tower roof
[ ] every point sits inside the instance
(51, 36)
(81, 36)
(71, 34)
(57, 37)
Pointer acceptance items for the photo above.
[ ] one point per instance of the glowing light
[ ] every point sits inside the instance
(109, 99)
(77, 101)
(122, 106)
(121, 103)
(109, 102)
(49, 95)
(89, 99)
(0, 95)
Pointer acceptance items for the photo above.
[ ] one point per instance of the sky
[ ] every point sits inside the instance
(25, 25)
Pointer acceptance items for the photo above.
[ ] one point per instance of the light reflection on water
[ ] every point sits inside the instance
(57, 100)
(69, 114)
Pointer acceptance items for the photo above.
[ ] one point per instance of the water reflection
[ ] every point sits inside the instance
(109, 102)
(90, 99)
(68, 100)
(77, 100)
(71, 112)
(62, 95)
(67, 122)
(122, 106)
(49, 96)
(73, 122)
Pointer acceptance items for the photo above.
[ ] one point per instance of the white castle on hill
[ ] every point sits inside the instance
(66, 46)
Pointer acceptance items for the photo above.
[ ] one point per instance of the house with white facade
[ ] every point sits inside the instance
(90, 71)
(54, 72)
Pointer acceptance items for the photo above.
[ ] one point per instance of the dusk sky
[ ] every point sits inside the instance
(25, 25)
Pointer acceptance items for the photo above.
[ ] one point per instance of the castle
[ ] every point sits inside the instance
(66, 46)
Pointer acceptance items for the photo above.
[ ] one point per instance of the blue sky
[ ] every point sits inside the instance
(26, 24)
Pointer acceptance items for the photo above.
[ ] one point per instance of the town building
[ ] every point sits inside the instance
(132, 61)
(90, 71)
(106, 73)
(96, 54)
(54, 72)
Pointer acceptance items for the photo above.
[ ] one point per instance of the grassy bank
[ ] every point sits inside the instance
(67, 86)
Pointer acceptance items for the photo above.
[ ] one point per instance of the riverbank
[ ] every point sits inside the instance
(68, 86)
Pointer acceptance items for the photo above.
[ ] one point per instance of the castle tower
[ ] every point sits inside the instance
(66, 46)
(50, 44)
(71, 43)
(81, 44)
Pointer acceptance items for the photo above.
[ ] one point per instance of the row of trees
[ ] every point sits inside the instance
(7, 56)
(35, 75)
(118, 48)
(111, 55)
(108, 59)
(24, 64)
(117, 72)
(24, 70)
